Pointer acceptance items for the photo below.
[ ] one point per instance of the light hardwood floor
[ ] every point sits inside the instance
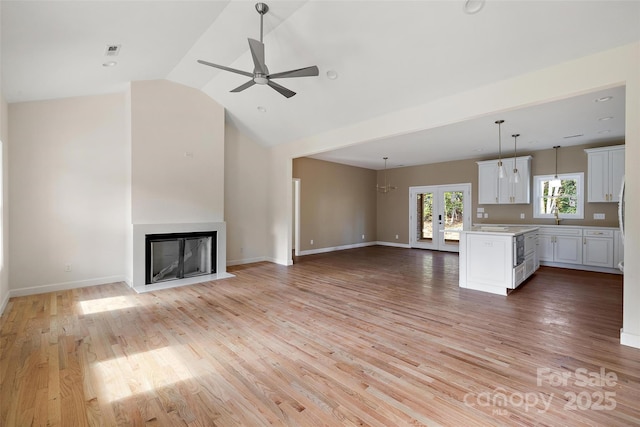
(374, 336)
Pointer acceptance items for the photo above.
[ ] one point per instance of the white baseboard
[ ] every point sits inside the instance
(3, 303)
(581, 267)
(55, 287)
(629, 339)
(395, 245)
(246, 261)
(337, 248)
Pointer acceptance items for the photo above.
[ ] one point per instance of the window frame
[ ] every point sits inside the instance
(580, 195)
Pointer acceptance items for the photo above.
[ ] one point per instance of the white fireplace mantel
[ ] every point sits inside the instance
(140, 231)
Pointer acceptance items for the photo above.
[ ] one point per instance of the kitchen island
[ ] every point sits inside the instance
(497, 259)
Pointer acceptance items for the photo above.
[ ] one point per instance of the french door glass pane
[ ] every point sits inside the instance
(453, 203)
(425, 212)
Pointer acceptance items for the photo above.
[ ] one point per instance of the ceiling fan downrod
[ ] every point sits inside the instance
(262, 8)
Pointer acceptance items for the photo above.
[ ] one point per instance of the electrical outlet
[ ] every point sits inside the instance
(479, 214)
(67, 267)
(363, 237)
(521, 216)
(486, 215)
(312, 241)
(396, 237)
(598, 216)
(480, 210)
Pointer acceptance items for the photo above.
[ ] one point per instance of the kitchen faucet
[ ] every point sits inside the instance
(556, 215)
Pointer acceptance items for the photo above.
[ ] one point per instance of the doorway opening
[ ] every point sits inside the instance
(437, 214)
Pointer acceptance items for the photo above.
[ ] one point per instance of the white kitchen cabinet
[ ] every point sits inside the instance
(493, 190)
(490, 260)
(531, 253)
(598, 248)
(557, 244)
(605, 169)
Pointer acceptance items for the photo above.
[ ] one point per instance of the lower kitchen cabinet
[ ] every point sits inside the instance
(598, 248)
(563, 245)
(497, 261)
(588, 248)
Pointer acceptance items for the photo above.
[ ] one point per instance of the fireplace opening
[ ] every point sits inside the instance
(176, 256)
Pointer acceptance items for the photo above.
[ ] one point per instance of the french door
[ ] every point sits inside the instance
(437, 214)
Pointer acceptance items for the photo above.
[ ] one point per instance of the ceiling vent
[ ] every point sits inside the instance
(112, 50)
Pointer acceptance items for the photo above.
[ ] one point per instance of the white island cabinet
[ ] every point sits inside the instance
(497, 259)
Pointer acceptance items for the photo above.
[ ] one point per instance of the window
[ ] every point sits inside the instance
(564, 194)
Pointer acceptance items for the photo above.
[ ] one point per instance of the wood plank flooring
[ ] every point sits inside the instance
(373, 336)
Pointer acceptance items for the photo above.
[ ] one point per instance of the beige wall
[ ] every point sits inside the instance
(393, 208)
(246, 189)
(67, 181)
(337, 204)
(177, 138)
(570, 159)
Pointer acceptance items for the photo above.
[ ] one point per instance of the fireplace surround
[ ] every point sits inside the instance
(184, 254)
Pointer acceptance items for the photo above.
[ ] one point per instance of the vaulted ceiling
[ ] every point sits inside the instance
(387, 55)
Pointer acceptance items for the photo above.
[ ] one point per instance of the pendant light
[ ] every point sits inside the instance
(516, 174)
(386, 187)
(556, 182)
(501, 173)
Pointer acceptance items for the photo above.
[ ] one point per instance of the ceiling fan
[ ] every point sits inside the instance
(261, 73)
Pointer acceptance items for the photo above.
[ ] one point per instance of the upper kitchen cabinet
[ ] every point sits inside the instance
(605, 172)
(493, 190)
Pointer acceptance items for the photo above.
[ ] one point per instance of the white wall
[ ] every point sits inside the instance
(246, 188)
(4, 217)
(177, 138)
(67, 180)
(609, 68)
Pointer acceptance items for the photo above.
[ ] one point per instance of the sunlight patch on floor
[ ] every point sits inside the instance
(137, 373)
(106, 304)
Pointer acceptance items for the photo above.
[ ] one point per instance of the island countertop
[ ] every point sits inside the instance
(514, 230)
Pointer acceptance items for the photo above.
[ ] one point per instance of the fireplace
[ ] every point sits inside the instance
(174, 256)
(171, 255)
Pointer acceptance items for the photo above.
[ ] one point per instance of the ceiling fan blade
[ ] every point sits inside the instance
(257, 53)
(244, 86)
(222, 67)
(283, 90)
(300, 72)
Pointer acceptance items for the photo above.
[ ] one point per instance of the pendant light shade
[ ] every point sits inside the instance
(556, 182)
(386, 187)
(501, 173)
(516, 174)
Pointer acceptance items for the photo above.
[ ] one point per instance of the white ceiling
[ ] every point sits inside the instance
(389, 55)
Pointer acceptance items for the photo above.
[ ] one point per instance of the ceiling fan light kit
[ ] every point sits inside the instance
(260, 74)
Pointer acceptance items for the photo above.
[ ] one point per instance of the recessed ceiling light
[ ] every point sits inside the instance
(262, 109)
(604, 99)
(604, 119)
(332, 74)
(473, 6)
(110, 64)
(604, 131)
(477, 150)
